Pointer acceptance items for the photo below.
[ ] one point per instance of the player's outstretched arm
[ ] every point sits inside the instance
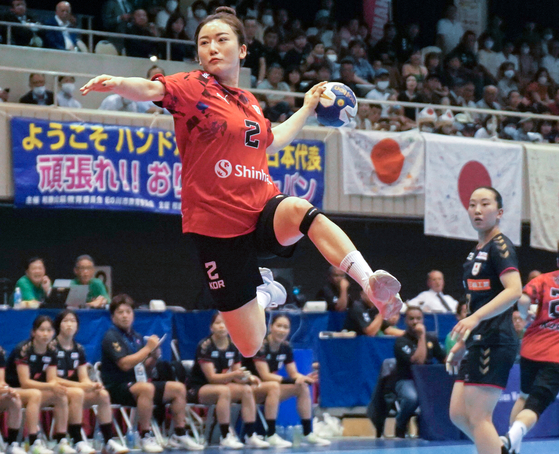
(133, 88)
(288, 130)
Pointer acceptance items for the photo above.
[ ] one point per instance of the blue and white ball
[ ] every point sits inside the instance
(337, 106)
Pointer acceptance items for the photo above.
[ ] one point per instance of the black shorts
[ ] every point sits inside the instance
(231, 264)
(121, 395)
(539, 374)
(487, 365)
(192, 394)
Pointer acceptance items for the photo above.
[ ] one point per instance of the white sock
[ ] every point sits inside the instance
(516, 434)
(355, 265)
(263, 298)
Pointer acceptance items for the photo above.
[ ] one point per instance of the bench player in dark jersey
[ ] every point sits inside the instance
(231, 208)
(72, 373)
(276, 352)
(487, 343)
(539, 357)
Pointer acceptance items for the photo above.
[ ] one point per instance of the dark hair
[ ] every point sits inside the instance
(84, 257)
(460, 305)
(347, 61)
(39, 320)
(413, 308)
(154, 67)
(61, 316)
(214, 317)
(62, 77)
(120, 300)
(228, 16)
(498, 196)
(276, 317)
(169, 27)
(32, 260)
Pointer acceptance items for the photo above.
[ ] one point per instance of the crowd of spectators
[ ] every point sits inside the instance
(492, 71)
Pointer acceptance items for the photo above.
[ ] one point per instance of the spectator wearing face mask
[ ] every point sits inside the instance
(486, 56)
(540, 91)
(163, 16)
(509, 128)
(506, 55)
(507, 81)
(39, 94)
(527, 65)
(65, 95)
(382, 89)
(551, 61)
(488, 128)
(199, 13)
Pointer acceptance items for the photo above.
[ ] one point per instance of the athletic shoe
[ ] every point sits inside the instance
(38, 447)
(149, 444)
(82, 447)
(185, 442)
(14, 448)
(382, 289)
(313, 439)
(63, 447)
(231, 442)
(256, 441)
(274, 289)
(275, 441)
(114, 447)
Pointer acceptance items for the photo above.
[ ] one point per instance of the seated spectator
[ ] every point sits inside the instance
(409, 43)
(362, 67)
(445, 124)
(432, 91)
(464, 125)
(217, 379)
(322, 28)
(495, 32)
(39, 94)
(416, 346)
(541, 91)
(365, 319)
(10, 405)
(315, 59)
(519, 324)
(533, 274)
(124, 359)
(375, 115)
(21, 36)
(199, 13)
(276, 352)
(72, 373)
(489, 100)
(4, 94)
(174, 29)
(487, 57)
(65, 96)
(551, 61)
(548, 131)
(298, 54)
(35, 286)
(426, 120)
(466, 50)
(62, 40)
(509, 127)
(97, 297)
(527, 64)
(414, 67)
(434, 300)
(461, 314)
(278, 107)
(270, 48)
(489, 128)
(525, 126)
(387, 46)
(449, 30)
(506, 55)
(410, 94)
(507, 81)
(116, 14)
(149, 107)
(382, 90)
(454, 73)
(118, 103)
(32, 366)
(362, 118)
(434, 64)
(139, 26)
(255, 59)
(164, 14)
(553, 106)
(293, 78)
(336, 291)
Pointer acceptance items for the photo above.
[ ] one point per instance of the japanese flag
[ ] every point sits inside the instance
(454, 168)
(379, 163)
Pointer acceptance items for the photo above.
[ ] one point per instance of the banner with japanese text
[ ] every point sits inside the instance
(93, 166)
(298, 170)
(379, 163)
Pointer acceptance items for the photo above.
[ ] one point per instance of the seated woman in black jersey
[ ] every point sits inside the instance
(32, 365)
(72, 373)
(217, 378)
(11, 403)
(275, 353)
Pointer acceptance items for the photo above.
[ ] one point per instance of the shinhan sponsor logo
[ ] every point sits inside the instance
(223, 169)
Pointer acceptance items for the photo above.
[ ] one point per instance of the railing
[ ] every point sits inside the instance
(92, 33)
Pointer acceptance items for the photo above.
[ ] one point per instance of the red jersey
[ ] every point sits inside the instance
(222, 137)
(541, 339)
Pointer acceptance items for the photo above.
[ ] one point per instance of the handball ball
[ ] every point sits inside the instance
(337, 105)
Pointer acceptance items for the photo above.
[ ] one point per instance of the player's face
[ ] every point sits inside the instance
(36, 272)
(218, 49)
(218, 327)
(43, 335)
(483, 211)
(69, 326)
(280, 329)
(123, 317)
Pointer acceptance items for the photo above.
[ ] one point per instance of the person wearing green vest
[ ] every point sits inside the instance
(84, 270)
(35, 286)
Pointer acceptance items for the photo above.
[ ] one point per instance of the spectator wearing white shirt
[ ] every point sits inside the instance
(382, 89)
(434, 300)
(118, 103)
(551, 61)
(449, 30)
(507, 55)
(65, 95)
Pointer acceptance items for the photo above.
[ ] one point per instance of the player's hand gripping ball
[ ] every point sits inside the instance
(337, 106)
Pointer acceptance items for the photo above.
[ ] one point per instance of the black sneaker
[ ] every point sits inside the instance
(505, 448)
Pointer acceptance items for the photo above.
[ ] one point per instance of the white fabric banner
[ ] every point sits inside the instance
(454, 167)
(543, 177)
(378, 163)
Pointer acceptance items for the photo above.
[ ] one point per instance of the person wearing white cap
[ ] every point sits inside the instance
(445, 123)
(426, 119)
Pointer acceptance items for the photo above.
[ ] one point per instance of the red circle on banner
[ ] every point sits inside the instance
(472, 175)
(388, 160)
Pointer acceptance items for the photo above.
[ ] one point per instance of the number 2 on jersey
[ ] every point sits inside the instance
(554, 304)
(254, 129)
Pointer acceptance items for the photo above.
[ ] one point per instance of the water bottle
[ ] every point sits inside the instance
(297, 435)
(130, 441)
(280, 430)
(289, 433)
(137, 439)
(98, 440)
(17, 298)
